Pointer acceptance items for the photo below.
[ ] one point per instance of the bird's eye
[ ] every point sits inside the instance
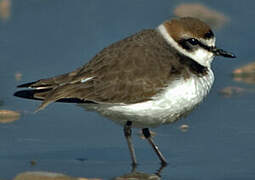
(193, 41)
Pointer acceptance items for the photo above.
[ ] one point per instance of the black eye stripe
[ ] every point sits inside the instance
(191, 43)
(208, 48)
(185, 44)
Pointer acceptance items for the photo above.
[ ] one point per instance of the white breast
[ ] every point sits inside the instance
(177, 100)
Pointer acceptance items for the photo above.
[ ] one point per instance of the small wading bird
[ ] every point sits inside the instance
(151, 78)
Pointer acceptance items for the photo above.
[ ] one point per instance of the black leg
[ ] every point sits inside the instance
(158, 172)
(147, 135)
(127, 133)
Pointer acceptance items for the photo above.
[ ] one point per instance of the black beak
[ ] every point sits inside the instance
(221, 52)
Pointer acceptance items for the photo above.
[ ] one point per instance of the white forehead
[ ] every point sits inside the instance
(209, 42)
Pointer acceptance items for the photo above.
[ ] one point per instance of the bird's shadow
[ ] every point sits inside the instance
(136, 175)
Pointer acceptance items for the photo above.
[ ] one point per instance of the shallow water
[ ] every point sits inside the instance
(45, 38)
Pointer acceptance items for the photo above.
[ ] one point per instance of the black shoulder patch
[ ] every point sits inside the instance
(193, 66)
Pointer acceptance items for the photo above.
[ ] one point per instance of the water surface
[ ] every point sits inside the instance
(44, 38)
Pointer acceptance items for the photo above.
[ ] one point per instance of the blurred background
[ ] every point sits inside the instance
(44, 38)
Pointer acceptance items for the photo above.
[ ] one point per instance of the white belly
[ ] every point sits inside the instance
(177, 100)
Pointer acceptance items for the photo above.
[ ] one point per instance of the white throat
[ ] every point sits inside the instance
(201, 56)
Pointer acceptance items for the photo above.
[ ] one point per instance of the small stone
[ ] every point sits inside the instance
(41, 175)
(5, 9)
(245, 74)
(213, 18)
(8, 116)
(184, 127)
(246, 69)
(18, 76)
(231, 90)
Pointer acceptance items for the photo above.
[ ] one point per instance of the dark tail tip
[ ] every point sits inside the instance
(29, 94)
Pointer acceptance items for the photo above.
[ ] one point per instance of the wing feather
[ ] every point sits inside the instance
(128, 71)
